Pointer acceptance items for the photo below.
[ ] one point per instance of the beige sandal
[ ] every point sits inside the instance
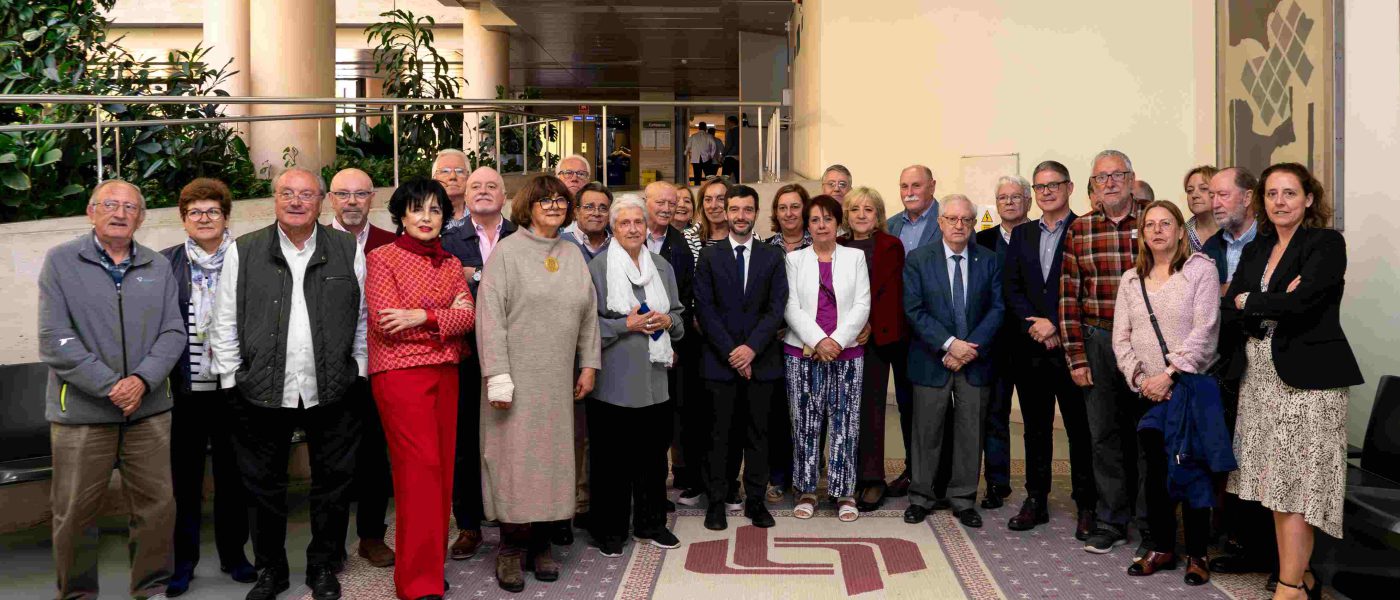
(846, 510)
(806, 506)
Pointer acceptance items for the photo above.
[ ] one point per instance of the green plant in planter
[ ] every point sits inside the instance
(514, 141)
(405, 56)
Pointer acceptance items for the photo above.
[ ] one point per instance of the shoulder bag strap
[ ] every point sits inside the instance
(1153, 317)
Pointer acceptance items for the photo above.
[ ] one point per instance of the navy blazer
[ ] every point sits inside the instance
(1027, 293)
(180, 266)
(677, 252)
(931, 231)
(463, 243)
(928, 302)
(731, 316)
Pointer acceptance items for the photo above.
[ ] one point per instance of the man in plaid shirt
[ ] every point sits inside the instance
(1099, 248)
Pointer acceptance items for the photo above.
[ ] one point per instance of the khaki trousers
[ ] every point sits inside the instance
(83, 459)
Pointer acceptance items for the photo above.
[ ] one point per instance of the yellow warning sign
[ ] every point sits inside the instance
(985, 221)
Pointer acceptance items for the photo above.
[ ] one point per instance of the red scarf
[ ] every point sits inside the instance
(431, 249)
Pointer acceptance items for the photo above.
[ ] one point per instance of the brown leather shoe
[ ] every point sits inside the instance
(1152, 562)
(1197, 571)
(510, 574)
(898, 488)
(376, 552)
(543, 564)
(467, 543)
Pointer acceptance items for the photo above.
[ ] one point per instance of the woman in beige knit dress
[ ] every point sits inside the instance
(537, 313)
(1291, 434)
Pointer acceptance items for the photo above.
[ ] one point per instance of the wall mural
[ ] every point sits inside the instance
(1276, 87)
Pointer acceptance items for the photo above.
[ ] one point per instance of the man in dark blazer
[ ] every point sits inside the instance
(741, 291)
(1031, 277)
(688, 445)
(351, 196)
(953, 298)
(472, 244)
(1013, 198)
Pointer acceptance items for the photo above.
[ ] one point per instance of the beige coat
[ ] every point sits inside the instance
(532, 324)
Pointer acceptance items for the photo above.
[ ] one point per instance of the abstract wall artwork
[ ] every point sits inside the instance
(1276, 93)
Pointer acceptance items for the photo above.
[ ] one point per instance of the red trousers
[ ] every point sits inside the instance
(418, 406)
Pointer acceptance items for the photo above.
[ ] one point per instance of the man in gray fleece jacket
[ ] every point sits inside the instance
(110, 331)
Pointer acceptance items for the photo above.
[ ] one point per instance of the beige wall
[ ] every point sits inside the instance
(1372, 126)
(905, 81)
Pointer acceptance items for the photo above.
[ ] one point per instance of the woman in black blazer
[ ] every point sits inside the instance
(1290, 437)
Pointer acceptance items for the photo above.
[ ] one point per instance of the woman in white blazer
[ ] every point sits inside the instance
(828, 304)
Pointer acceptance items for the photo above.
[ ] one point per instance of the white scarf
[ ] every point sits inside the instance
(204, 281)
(622, 275)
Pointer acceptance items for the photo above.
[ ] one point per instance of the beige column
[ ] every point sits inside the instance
(226, 37)
(485, 64)
(293, 55)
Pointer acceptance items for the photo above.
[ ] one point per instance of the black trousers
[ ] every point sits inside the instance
(1161, 509)
(779, 438)
(373, 483)
(262, 439)
(200, 421)
(730, 168)
(1052, 382)
(741, 408)
(697, 173)
(627, 448)
(467, 505)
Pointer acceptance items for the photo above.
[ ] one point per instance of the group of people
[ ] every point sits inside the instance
(707, 154)
(533, 371)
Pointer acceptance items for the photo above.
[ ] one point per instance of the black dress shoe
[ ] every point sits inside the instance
(1033, 512)
(915, 514)
(969, 517)
(323, 584)
(715, 519)
(1085, 526)
(758, 514)
(871, 497)
(1000, 491)
(1239, 563)
(898, 488)
(992, 501)
(271, 581)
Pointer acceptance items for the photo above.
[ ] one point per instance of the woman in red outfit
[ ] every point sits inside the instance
(420, 309)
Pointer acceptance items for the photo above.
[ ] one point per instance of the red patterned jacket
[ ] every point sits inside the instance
(397, 278)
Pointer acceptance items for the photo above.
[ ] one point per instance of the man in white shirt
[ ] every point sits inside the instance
(289, 337)
(699, 151)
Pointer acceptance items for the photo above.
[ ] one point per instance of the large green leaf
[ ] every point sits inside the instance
(50, 157)
(15, 179)
(8, 158)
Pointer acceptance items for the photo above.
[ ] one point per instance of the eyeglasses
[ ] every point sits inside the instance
(214, 214)
(304, 195)
(1012, 198)
(1041, 188)
(594, 208)
(573, 174)
(344, 195)
(1117, 176)
(964, 221)
(450, 171)
(555, 202)
(112, 206)
(840, 185)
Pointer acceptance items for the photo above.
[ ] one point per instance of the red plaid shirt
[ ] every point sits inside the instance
(1097, 253)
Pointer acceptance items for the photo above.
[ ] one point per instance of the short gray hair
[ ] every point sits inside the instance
(577, 157)
(1110, 153)
(92, 200)
(628, 201)
(320, 182)
(953, 198)
(451, 152)
(839, 169)
(1015, 180)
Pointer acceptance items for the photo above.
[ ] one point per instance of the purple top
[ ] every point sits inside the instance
(826, 315)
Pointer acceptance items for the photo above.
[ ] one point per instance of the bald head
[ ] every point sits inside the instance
(351, 195)
(486, 193)
(916, 186)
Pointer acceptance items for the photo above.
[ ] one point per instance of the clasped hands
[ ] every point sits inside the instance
(648, 323)
(395, 320)
(126, 394)
(1044, 332)
(1157, 388)
(959, 354)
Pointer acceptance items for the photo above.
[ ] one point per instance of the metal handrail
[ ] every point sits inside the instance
(469, 106)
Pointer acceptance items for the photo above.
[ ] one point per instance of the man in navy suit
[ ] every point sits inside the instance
(1013, 200)
(1032, 279)
(687, 452)
(740, 292)
(952, 296)
(916, 226)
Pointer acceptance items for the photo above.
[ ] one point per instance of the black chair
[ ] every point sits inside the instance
(24, 454)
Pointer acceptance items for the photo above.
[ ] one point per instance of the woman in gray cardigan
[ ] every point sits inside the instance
(629, 412)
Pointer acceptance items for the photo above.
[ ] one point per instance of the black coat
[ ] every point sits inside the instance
(1310, 350)
(677, 252)
(462, 243)
(1027, 293)
(731, 316)
(180, 265)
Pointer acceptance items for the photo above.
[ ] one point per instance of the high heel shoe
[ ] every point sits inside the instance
(1313, 592)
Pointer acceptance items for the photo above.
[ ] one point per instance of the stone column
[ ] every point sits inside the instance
(293, 55)
(485, 65)
(226, 36)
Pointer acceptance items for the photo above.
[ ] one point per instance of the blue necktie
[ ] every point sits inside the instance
(739, 263)
(959, 304)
